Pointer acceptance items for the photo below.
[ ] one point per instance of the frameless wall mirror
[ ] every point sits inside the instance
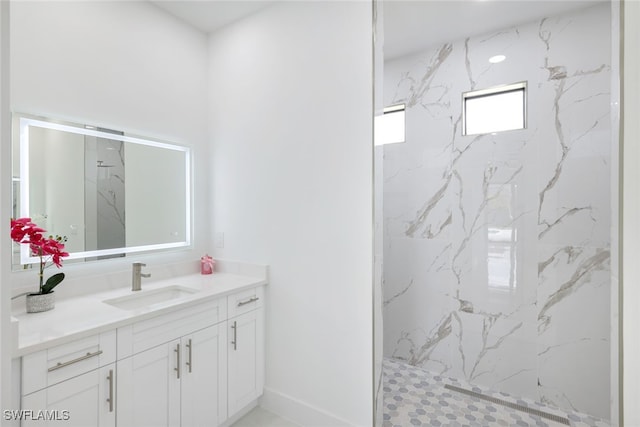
(107, 192)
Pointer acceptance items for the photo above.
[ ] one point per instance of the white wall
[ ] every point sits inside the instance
(121, 65)
(291, 118)
(630, 225)
(5, 213)
(124, 65)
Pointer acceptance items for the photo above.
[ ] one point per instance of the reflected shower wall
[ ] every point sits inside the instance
(497, 246)
(104, 194)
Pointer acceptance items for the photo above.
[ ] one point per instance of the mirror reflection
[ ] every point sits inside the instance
(107, 192)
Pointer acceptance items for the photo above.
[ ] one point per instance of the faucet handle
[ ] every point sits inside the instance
(139, 264)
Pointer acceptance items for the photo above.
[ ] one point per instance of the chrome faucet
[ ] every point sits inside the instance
(136, 282)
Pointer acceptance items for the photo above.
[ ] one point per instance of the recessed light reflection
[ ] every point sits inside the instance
(496, 59)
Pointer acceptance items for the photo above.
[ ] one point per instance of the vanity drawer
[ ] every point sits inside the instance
(56, 364)
(245, 301)
(163, 328)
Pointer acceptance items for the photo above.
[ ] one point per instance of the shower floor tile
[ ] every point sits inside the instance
(414, 397)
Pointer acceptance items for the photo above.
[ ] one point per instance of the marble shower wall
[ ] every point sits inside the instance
(497, 247)
(104, 194)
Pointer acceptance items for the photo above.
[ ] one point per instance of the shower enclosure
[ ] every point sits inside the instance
(498, 247)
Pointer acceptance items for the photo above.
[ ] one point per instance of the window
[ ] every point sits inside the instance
(389, 127)
(494, 110)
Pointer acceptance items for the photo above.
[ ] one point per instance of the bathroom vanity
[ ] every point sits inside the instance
(184, 351)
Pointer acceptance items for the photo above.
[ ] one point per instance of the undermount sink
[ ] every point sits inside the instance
(149, 298)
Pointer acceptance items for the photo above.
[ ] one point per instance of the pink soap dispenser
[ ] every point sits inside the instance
(207, 265)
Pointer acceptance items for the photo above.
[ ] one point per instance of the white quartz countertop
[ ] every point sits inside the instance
(85, 315)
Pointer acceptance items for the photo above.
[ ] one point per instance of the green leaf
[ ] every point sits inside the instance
(52, 282)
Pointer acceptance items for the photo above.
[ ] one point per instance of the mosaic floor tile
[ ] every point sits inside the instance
(414, 397)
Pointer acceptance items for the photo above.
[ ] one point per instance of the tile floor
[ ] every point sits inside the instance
(259, 417)
(414, 397)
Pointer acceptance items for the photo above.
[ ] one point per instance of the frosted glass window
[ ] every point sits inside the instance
(494, 110)
(389, 127)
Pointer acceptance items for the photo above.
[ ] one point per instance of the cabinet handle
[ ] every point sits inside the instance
(235, 335)
(177, 368)
(110, 399)
(189, 362)
(249, 301)
(71, 362)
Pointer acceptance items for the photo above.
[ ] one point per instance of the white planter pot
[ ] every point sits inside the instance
(37, 303)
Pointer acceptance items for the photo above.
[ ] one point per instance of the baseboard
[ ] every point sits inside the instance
(299, 412)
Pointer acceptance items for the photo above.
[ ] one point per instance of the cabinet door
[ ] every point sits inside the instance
(86, 400)
(204, 378)
(149, 387)
(245, 359)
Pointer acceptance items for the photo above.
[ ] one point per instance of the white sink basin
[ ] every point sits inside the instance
(148, 298)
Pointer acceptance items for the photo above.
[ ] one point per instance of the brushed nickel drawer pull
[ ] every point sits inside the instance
(79, 359)
(189, 362)
(110, 399)
(249, 301)
(177, 368)
(235, 335)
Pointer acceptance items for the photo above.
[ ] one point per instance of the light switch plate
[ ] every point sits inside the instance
(218, 240)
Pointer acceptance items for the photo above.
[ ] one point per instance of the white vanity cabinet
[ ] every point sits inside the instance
(72, 384)
(85, 400)
(204, 376)
(148, 394)
(245, 329)
(181, 383)
(172, 369)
